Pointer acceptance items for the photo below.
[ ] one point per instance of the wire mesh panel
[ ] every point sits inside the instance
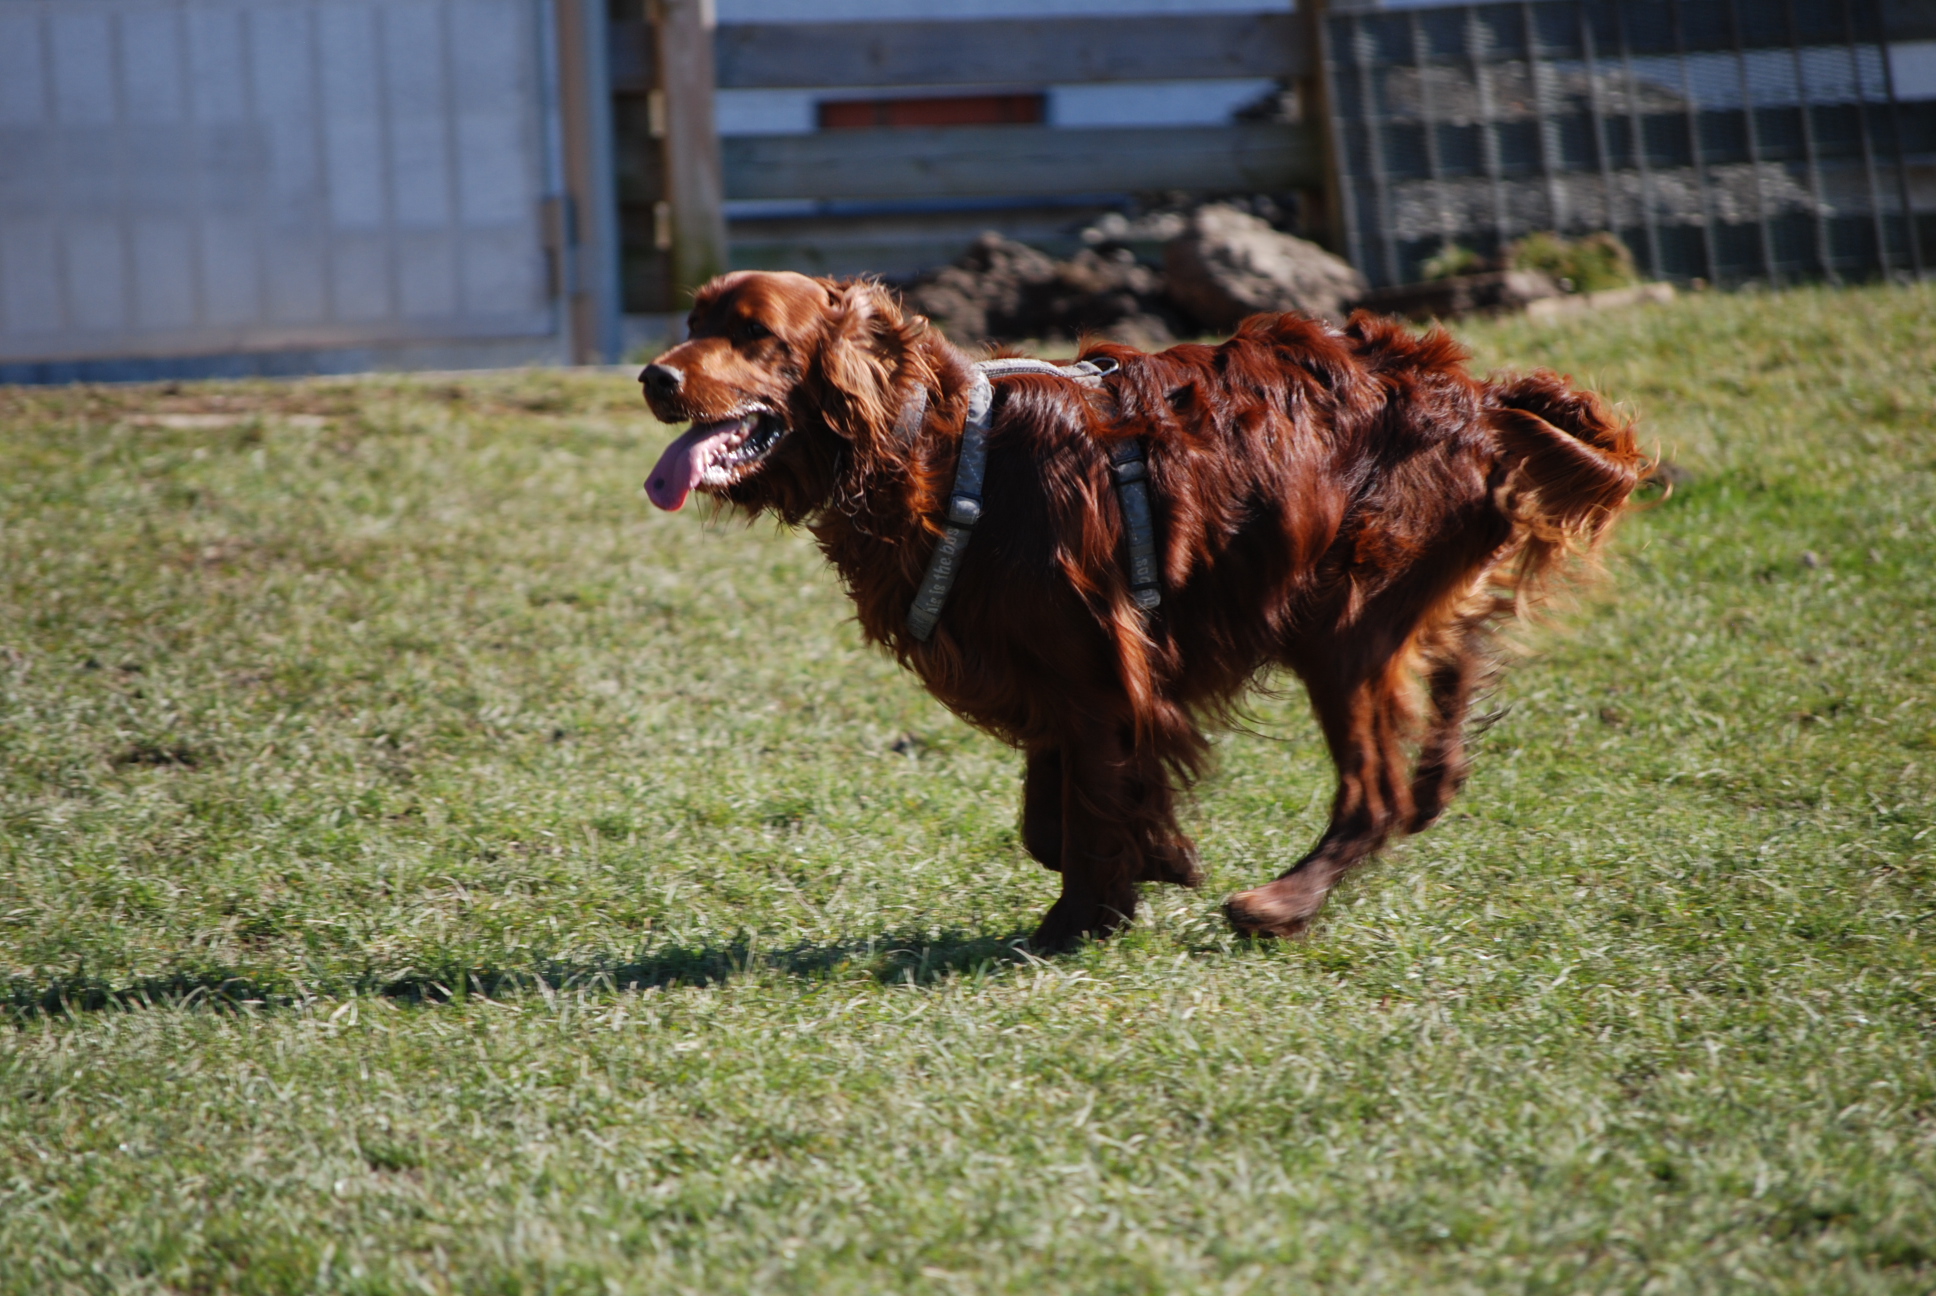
(1720, 139)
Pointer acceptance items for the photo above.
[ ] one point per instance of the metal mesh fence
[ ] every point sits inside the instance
(1728, 140)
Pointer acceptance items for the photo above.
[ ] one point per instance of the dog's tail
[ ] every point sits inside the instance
(1568, 465)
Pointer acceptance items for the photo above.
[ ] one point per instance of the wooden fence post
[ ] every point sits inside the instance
(584, 232)
(695, 185)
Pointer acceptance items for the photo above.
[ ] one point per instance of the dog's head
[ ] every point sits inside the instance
(785, 380)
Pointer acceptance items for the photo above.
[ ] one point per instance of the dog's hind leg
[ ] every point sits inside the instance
(1458, 666)
(1365, 722)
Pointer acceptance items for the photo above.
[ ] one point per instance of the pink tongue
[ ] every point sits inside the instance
(680, 468)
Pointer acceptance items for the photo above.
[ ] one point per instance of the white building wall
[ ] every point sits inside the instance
(200, 177)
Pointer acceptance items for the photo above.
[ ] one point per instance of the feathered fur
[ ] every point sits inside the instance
(1351, 504)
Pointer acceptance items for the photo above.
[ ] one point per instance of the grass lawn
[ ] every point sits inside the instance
(426, 868)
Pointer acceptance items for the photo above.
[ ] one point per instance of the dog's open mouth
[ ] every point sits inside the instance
(713, 455)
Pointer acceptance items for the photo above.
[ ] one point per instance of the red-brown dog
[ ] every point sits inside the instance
(1351, 504)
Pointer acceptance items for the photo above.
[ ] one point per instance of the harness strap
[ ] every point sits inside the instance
(1131, 470)
(964, 510)
(1126, 465)
(908, 426)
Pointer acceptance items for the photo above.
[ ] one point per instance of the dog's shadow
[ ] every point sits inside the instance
(891, 958)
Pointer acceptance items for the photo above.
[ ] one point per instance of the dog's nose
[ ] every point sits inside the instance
(661, 380)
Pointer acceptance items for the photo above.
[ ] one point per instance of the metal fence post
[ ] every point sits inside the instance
(1911, 234)
(1767, 232)
(1428, 115)
(1691, 123)
(1824, 255)
(1877, 220)
(1656, 261)
(1609, 195)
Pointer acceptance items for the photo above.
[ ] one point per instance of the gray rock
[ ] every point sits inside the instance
(1228, 264)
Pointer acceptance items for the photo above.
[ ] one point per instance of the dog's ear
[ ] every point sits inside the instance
(867, 342)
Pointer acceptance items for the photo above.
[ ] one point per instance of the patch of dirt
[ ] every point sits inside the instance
(156, 756)
(199, 422)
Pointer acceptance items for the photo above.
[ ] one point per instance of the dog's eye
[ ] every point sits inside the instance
(753, 331)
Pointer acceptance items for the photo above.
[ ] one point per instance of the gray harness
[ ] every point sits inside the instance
(1126, 464)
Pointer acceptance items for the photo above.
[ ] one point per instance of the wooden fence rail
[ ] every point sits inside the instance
(1006, 161)
(1036, 51)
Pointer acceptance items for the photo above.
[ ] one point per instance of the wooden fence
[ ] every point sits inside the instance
(1021, 163)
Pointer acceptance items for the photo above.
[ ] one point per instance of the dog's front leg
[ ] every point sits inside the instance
(1042, 807)
(1098, 854)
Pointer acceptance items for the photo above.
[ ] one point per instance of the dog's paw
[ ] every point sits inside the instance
(1284, 908)
(1063, 928)
(1073, 919)
(1055, 934)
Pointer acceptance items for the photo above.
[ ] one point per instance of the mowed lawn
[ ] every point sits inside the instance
(425, 868)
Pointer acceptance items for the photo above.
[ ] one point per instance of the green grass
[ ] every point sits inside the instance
(426, 868)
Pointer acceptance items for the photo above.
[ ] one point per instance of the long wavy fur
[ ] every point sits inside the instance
(1351, 504)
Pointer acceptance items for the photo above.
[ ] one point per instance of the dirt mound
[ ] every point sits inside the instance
(1221, 262)
(1494, 292)
(1000, 291)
